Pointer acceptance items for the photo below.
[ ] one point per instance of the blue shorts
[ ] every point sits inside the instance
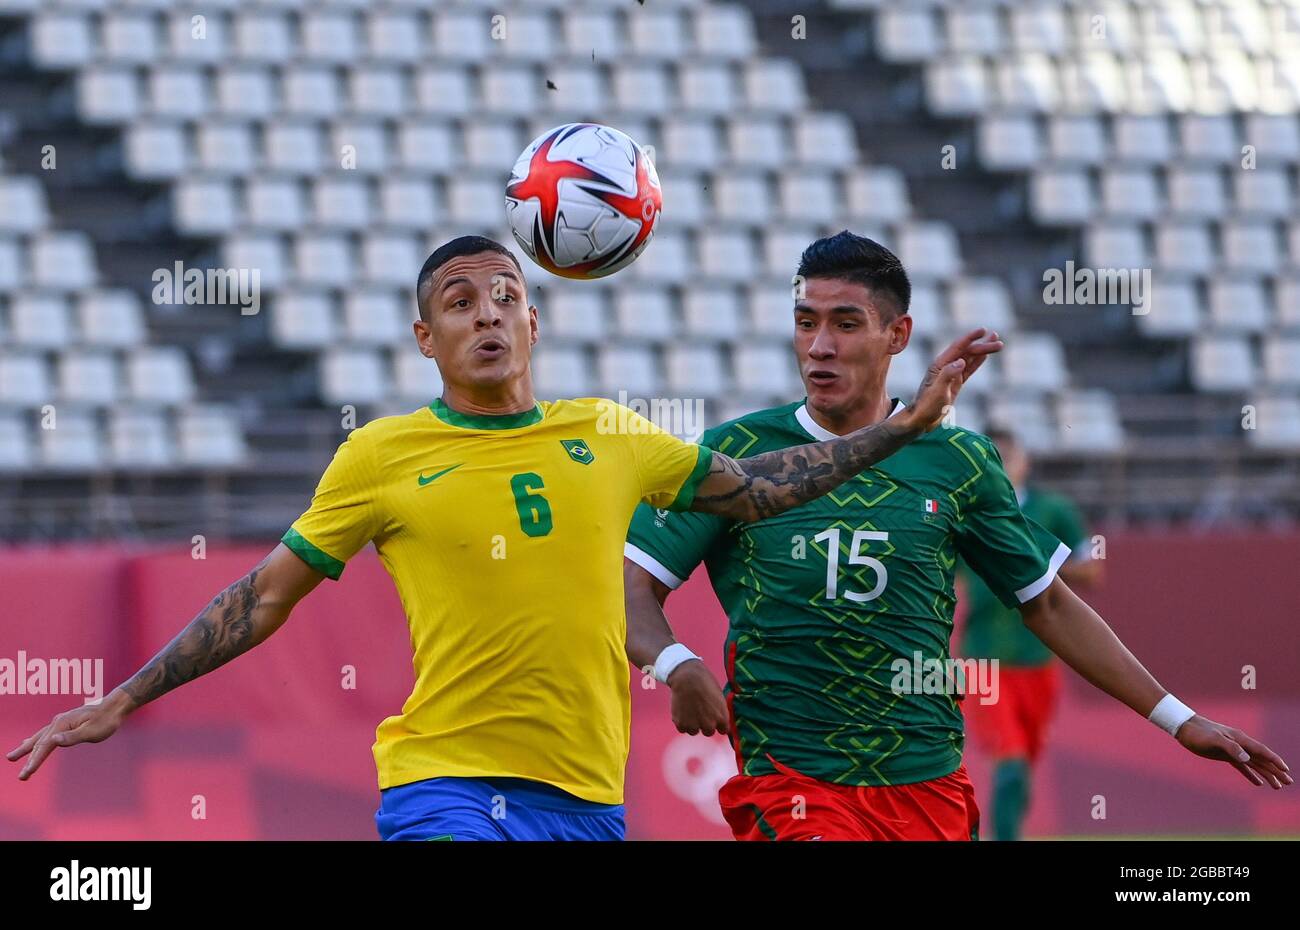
(492, 809)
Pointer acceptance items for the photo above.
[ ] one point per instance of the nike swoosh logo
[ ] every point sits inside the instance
(432, 478)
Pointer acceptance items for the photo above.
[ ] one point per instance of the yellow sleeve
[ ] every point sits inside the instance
(669, 469)
(343, 516)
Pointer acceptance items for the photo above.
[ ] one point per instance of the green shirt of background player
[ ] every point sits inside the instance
(827, 598)
(1012, 730)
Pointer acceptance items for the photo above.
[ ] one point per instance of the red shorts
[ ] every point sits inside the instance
(790, 806)
(1015, 725)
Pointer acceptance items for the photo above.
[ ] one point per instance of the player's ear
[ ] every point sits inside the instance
(900, 333)
(424, 338)
(533, 331)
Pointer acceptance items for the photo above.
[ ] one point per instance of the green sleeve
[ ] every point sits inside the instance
(670, 543)
(1016, 557)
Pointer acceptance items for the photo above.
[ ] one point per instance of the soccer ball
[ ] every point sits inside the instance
(583, 200)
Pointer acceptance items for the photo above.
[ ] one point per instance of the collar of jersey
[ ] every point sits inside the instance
(821, 433)
(486, 420)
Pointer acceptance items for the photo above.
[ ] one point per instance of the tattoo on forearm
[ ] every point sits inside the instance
(764, 485)
(221, 632)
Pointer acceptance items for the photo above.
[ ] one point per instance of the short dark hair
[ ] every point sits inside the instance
(462, 245)
(861, 260)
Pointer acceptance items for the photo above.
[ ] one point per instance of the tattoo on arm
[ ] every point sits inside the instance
(764, 485)
(221, 632)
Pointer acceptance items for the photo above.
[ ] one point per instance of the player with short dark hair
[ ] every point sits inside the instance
(839, 702)
(501, 520)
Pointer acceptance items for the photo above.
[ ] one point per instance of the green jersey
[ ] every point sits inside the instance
(826, 599)
(995, 631)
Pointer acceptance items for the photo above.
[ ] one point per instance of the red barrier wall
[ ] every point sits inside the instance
(274, 746)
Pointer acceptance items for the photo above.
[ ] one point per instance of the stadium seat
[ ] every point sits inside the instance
(707, 88)
(1185, 248)
(878, 194)
(24, 380)
(156, 151)
(1131, 193)
(90, 378)
(293, 147)
(771, 308)
(1009, 143)
(225, 148)
(929, 249)
(107, 95)
(909, 35)
(646, 313)
(207, 206)
(757, 141)
(340, 202)
(825, 139)
(1238, 305)
(1282, 362)
(774, 85)
(1061, 197)
(375, 316)
(415, 377)
(22, 205)
(1026, 415)
(1196, 193)
(723, 31)
(695, 370)
(1222, 363)
(1251, 246)
(128, 36)
(1033, 362)
(981, 302)
(40, 321)
(977, 31)
(63, 261)
(586, 30)
(628, 369)
(16, 451)
(727, 255)
(110, 318)
(560, 371)
(766, 371)
(574, 315)
(209, 437)
(353, 376)
(1088, 422)
(246, 91)
(303, 320)
(178, 91)
(713, 313)
(62, 39)
(957, 87)
(1174, 309)
(159, 375)
(743, 197)
(73, 445)
(1077, 140)
(323, 259)
(138, 439)
(1277, 423)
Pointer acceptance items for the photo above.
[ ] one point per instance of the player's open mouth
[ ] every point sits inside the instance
(490, 348)
(823, 378)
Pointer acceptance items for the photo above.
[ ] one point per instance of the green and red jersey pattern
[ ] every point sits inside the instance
(823, 598)
(994, 631)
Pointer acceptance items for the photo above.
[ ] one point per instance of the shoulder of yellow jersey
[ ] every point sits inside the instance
(382, 428)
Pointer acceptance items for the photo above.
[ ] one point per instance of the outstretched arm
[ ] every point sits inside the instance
(764, 485)
(1074, 631)
(239, 618)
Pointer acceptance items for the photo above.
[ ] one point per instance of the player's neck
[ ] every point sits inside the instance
(496, 401)
(874, 408)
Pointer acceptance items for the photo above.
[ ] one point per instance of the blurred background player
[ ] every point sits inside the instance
(838, 608)
(1012, 728)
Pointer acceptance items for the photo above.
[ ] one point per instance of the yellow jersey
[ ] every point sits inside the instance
(504, 536)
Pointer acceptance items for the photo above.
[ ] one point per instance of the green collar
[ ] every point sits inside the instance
(486, 420)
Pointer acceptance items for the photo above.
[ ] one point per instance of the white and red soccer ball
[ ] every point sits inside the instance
(583, 200)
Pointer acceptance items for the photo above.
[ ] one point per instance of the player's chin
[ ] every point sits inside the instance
(826, 396)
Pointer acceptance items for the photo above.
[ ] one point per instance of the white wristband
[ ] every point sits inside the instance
(670, 658)
(1170, 714)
